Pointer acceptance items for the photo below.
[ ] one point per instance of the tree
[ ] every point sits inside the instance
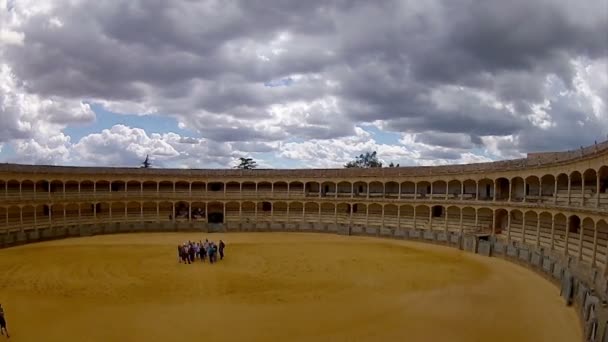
(365, 160)
(246, 164)
(393, 165)
(146, 164)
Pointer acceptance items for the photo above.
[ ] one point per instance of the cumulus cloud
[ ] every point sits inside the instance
(460, 80)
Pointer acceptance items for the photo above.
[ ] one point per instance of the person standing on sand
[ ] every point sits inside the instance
(222, 246)
(3, 322)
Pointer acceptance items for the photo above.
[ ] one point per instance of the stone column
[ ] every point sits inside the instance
(399, 213)
(555, 192)
(582, 189)
(525, 190)
(580, 241)
(509, 226)
(510, 189)
(594, 255)
(569, 188)
(415, 193)
(523, 226)
(566, 248)
(461, 226)
(477, 190)
(597, 191)
(493, 222)
(366, 216)
(495, 190)
(552, 232)
(431, 195)
(399, 194)
(462, 191)
(382, 216)
(445, 228)
(538, 230)
(431, 214)
(414, 217)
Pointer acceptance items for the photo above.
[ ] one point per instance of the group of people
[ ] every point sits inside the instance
(189, 251)
(3, 323)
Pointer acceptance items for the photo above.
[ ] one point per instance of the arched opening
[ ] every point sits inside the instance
(502, 189)
(532, 189)
(264, 189)
(248, 211)
(182, 210)
(453, 218)
(530, 227)
(327, 212)
(165, 211)
(344, 189)
(133, 187)
(87, 211)
(42, 188)
(422, 217)
(545, 229)
(28, 216)
(183, 188)
(406, 220)
(12, 188)
(376, 189)
(57, 213)
(484, 220)
(392, 189)
(198, 188)
(149, 188)
(360, 189)
(516, 225)
(576, 188)
(216, 211)
(232, 213)
(233, 188)
(454, 188)
(407, 190)
(102, 188)
(439, 189)
(280, 189)
(602, 244)
(548, 188)
(296, 189)
(14, 216)
(588, 227)
(312, 189)
(574, 230)
(390, 215)
(150, 210)
(486, 190)
(561, 227)
(468, 220)
(359, 213)
(56, 187)
(375, 215)
(328, 189)
(470, 187)
(27, 188)
(118, 211)
(134, 211)
(311, 212)
(280, 212)
(562, 189)
(198, 211)
(248, 189)
(264, 210)
(603, 179)
(165, 187)
(500, 221)
(517, 189)
(116, 186)
(296, 211)
(343, 214)
(590, 187)
(424, 189)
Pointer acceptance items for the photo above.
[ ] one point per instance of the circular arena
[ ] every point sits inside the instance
(506, 251)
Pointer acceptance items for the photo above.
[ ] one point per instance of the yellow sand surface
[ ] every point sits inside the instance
(273, 287)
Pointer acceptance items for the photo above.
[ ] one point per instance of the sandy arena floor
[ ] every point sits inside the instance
(273, 287)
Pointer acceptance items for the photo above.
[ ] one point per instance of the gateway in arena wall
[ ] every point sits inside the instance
(549, 209)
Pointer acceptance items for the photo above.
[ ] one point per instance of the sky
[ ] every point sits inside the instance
(299, 84)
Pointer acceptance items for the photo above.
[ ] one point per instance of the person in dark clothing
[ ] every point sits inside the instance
(210, 253)
(3, 322)
(191, 252)
(221, 249)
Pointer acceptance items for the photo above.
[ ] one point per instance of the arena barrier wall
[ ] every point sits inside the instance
(580, 285)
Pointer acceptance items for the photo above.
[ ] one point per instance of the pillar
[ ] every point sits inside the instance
(523, 225)
(399, 211)
(157, 211)
(414, 217)
(525, 189)
(594, 255)
(399, 194)
(431, 213)
(495, 190)
(566, 251)
(597, 190)
(431, 197)
(415, 195)
(510, 189)
(367, 214)
(555, 192)
(582, 189)
(580, 241)
(462, 191)
(445, 228)
(382, 216)
(460, 223)
(552, 231)
(447, 189)
(509, 225)
(173, 216)
(476, 191)
(494, 221)
(538, 230)
(569, 188)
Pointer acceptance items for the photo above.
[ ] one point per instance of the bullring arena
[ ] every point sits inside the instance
(506, 251)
